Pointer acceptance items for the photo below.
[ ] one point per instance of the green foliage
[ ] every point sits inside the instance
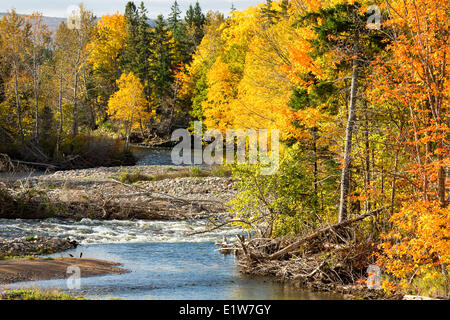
(161, 59)
(133, 177)
(220, 171)
(135, 57)
(286, 203)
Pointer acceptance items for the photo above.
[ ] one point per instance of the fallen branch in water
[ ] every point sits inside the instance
(318, 233)
(220, 226)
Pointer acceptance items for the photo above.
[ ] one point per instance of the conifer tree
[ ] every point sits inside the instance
(161, 60)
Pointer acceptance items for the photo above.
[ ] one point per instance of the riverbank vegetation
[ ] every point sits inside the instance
(37, 294)
(135, 176)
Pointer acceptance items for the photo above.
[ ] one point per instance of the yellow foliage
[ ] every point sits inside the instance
(418, 245)
(107, 43)
(128, 103)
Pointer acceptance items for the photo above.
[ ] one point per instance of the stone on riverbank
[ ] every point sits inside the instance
(34, 246)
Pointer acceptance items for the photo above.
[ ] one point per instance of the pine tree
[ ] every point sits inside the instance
(269, 14)
(199, 22)
(161, 60)
(182, 54)
(135, 57)
(129, 56)
(189, 18)
(174, 19)
(195, 21)
(144, 38)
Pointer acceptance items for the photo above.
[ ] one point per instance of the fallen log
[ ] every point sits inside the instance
(318, 233)
(37, 164)
(220, 226)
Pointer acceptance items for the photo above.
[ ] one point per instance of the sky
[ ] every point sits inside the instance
(59, 8)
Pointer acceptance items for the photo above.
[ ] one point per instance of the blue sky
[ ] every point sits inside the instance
(58, 8)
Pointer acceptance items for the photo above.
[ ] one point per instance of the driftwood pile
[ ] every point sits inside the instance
(126, 203)
(325, 259)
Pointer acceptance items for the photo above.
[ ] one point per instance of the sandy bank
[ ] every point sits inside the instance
(17, 270)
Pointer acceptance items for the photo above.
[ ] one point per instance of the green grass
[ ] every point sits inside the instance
(9, 256)
(37, 294)
(133, 177)
(221, 172)
(170, 173)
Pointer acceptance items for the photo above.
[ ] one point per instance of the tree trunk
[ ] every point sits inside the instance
(60, 129)
(75, 92)
(441, 179)
(36, 98)
(75, 111)
(367, 155)
(393, 186)
(345, 178)
(19, 112)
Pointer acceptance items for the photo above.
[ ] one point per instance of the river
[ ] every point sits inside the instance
(165, 262)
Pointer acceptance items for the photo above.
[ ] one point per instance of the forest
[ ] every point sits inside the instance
(358, 90)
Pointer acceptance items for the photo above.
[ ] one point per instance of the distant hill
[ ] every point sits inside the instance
(54, 22)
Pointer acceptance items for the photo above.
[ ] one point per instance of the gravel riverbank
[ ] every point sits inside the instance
(34, 246)
(98, 194)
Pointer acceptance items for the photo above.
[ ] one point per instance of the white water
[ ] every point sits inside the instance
(89, 231)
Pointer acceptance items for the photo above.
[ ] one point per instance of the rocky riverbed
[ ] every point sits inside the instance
(165, 192)
(34, 246)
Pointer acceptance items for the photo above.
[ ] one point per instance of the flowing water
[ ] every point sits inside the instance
(165, 262)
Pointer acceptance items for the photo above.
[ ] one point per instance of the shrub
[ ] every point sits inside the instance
(285, 203)
(221, 172)
(133, 177)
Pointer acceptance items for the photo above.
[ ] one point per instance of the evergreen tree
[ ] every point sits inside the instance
(161, 60)
(144, 38)
(269, 14)
(199, 17)
(136, 54)
(189, 18)
(179, 33)
(195, 21)
(174, 20)
(130, 53)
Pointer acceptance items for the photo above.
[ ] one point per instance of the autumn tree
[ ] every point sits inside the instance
(105, 52)
(128, 104)
(412, 75)
(37, 52)
(14, 37)
(79, 37)
(62, 51)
